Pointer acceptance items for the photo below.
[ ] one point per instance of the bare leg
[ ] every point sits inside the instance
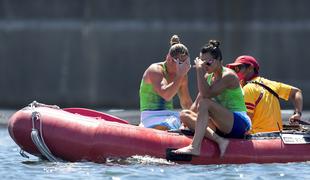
(223, 120)
(200, 130)
(189, 119)
(221, 142)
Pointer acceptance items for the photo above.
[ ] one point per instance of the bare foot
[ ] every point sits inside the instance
(188, 150)
(223, 146)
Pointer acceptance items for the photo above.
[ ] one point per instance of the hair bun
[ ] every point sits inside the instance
(214, 43)
(213, 49)
(174, 40)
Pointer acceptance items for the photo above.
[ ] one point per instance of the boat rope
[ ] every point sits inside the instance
(38, 140)
(23, 154)
(35, 104)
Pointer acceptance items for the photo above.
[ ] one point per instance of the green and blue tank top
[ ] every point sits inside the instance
(150, 100)
(232, 99)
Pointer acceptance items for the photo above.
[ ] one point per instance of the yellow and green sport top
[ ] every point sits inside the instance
(232, 99)
(264, 106)
(150, 100)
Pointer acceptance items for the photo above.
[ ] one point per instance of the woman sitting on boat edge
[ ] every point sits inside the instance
(227, 110)
(160, 83)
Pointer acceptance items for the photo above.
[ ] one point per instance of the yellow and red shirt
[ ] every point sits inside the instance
(264, 106)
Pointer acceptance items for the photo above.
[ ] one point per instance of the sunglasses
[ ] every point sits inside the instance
(210, 62)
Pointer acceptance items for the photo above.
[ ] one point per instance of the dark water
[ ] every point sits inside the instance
(14, 166)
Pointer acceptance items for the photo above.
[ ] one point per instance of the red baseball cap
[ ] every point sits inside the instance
(244, 60)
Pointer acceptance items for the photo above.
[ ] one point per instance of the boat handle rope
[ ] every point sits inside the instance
(35, 104)
(38, 140)
(23, 154)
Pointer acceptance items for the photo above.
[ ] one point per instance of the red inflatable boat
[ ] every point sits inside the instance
(76, 134)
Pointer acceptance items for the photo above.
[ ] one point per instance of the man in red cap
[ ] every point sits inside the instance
(262, 96)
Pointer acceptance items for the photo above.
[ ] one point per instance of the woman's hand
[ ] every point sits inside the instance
(198, 63)
(183, 68)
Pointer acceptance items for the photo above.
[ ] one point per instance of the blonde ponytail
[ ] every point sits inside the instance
(174, 40)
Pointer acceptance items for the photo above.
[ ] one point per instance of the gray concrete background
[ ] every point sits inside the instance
(92, 53)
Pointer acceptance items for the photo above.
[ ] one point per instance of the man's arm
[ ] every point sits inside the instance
(297, 100)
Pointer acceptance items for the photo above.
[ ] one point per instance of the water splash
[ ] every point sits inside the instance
(139, 160)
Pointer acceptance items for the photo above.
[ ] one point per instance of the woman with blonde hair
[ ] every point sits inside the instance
(160, 83)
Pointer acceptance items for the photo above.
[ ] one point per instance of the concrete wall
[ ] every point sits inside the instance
(93, 53)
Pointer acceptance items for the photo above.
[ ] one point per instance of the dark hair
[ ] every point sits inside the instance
(248, 65)
(213, 49)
